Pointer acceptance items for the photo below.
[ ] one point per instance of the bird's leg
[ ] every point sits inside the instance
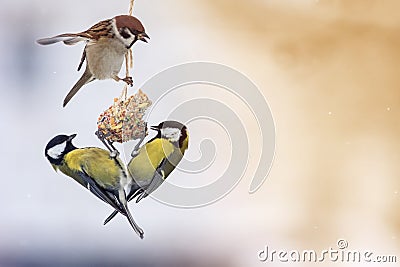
(128, 66)
(100, 135)
(82, 60)
(113, 151)
(135, 151)
(128, 80)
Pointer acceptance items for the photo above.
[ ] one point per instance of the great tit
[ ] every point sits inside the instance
(94, 168)
(154, 161)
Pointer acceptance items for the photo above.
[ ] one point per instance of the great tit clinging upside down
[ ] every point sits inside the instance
(152, 164)
(96, 170)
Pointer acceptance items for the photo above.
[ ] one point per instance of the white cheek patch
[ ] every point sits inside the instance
(131, 39)
(56, 151)
(126, 42)
(172, 134)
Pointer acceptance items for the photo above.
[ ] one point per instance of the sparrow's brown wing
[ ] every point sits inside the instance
(100, 30)
(94, 33)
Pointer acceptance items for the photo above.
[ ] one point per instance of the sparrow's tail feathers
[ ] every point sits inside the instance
(86, 78)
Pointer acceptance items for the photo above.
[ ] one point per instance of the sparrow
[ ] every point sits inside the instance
(107, 43)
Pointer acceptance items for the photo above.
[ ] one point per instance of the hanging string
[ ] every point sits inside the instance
(132, 3)
(128, 59)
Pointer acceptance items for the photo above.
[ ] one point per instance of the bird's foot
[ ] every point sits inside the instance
(128, 80)
(114, 154)
(134, 153)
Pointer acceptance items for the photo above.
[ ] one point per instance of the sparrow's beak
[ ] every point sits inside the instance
(142, 37)
(71, 137)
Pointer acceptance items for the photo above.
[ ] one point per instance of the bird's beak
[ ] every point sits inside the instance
(142, 37)
(71, 137)
(154, 128)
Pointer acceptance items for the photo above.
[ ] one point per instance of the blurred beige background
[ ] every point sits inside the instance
(329, 70)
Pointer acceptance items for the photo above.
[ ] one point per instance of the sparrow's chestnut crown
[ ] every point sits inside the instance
(132, 23)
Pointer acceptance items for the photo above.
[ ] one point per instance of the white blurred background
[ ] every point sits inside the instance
(329, 70)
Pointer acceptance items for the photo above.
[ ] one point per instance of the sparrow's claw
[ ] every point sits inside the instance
(128, 80)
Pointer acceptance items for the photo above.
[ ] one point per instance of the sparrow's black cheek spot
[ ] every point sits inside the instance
(125, 33)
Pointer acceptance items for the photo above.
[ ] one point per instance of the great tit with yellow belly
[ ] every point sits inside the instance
(94, 168)
(153, 163)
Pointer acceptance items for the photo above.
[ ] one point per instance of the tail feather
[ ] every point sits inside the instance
(73, 41)
(67, 38)
(132, 222)
(109, 218)
(124, 205)
(112, 215)
(86, 78)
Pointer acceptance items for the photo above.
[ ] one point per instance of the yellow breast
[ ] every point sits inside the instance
(144, 165)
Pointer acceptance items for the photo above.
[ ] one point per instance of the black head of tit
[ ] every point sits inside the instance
(58, 147)
(175, 132)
